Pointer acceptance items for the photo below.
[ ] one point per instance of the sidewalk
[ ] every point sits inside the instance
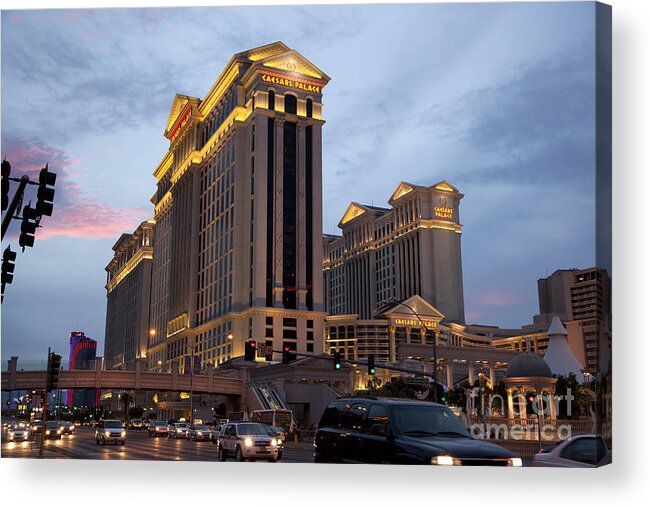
(290, 444)
(27, 450)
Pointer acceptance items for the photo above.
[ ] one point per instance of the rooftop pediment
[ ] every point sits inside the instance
(292, 61)
(418, 307)
(445, 186)
(353, 211)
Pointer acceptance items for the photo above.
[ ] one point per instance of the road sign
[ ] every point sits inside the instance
(417, 381)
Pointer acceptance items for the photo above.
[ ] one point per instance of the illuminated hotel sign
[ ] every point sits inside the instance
(291, 83)
(441, 212)
(415, 323)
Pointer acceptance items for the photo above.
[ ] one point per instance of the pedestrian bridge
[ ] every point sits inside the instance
(14, 380)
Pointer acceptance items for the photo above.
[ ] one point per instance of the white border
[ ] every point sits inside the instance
(93, 483)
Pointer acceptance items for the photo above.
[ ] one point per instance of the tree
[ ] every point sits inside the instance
(581, 398)
(395, 388)
(136, 412)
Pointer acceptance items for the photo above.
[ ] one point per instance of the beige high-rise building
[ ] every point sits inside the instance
(238, 243)
(581, 299)
(128, 286)
(411, 248)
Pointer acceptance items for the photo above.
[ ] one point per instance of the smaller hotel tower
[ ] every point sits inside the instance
(412, 248)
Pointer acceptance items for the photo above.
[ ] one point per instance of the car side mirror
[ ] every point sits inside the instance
(379, 430)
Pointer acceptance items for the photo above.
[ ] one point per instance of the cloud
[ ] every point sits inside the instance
(496, 299)
(77, 213)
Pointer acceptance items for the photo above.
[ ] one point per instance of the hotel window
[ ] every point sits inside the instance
(290, 104)
(308, 108)
(272, 100)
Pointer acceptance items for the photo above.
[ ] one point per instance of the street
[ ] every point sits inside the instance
(138, 446)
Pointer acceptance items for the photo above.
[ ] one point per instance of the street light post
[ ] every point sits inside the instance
(434, 351)
(191, 347)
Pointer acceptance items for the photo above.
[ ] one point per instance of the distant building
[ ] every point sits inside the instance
(412, 248)
(82, 355)
(581, 298)
(128, 290)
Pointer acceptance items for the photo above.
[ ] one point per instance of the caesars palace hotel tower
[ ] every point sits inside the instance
(238, 248)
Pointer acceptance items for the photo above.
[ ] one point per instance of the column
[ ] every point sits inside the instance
(278, 212)
(522, 406)
(491, 373)
(301, 217)
(448, 374)
(552, 405)
(509, 396)
(471, 372)
(392, 344)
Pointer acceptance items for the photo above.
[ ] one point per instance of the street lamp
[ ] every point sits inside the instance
(192, 347)
(434, 351)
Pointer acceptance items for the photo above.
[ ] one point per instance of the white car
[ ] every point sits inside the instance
(247, 441)
(177, 430)
(578, 451)
(18, 433)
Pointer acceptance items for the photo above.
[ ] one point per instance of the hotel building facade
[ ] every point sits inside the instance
(385, 254)
(238, 243)
(128, 289)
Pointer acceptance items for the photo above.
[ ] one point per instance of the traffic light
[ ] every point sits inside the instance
(249, 350)
(6, 171)
(8, 265)
(371, 366)
(287, 357)
(440, 393)
(53, 371)
(45, 194)
(336, 358)
(27, 227)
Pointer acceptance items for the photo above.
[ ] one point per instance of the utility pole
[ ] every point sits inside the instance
(47, 376)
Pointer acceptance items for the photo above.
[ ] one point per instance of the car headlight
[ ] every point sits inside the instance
(248, 442)
(107, 433)
(58, 432)
(47, 432)
(515, 462)
(445, 460)
(274, 442)
(123, 433)
(199, 433)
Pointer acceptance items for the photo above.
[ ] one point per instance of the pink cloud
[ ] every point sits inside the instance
(76, 213)
(473, 316)
(497, 299)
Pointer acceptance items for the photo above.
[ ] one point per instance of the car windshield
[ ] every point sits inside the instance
(51, 424)
(426, 421)
(160, 423)
(251, 429)
(182, 426)
(201, 428)
(112, 424)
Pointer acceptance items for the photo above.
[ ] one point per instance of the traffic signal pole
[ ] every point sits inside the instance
(365, 363)
(44, 418)
(18, 197)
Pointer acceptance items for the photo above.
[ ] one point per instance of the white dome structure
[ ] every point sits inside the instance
(559, 356)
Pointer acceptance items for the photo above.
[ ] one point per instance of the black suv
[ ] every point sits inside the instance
(383, 430)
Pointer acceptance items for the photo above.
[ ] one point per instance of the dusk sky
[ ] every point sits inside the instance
(497, 99)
